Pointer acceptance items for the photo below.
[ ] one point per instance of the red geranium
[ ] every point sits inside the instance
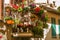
(37, 9)
(15, 6)
(22, 5)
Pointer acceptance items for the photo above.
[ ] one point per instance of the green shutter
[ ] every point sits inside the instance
(59, 26)
(53, 27)
(59, 30)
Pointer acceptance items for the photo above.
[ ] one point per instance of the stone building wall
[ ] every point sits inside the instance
(49, 34)
(0, 9)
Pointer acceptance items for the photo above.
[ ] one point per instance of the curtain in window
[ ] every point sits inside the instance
(53, 27)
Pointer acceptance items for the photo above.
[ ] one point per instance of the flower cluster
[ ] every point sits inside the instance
(37, 18)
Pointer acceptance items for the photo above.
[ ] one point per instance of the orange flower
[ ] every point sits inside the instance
(10, 22)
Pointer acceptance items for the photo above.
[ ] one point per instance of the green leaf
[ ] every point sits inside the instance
(20, 9)
(41, 12)
(8, 18)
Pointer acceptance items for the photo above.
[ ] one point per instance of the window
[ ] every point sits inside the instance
(53, 27)
(59, 27)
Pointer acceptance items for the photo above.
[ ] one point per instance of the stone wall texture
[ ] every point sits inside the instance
(0, 9)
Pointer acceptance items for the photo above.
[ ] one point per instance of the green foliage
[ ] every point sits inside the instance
(46, 18)
(20, 9)
(13, 9)
(37, 31)
(58, 9)
(45, 26)
(41, 17)
(8, 18)
(40, 24)
(40, 12)
(17, 21)
(26, 9)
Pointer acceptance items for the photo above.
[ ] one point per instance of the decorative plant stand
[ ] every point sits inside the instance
(22, 34)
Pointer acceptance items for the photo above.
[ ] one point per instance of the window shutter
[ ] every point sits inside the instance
(53, 27)
(59, 27)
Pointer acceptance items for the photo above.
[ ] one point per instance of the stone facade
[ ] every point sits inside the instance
(49, 34)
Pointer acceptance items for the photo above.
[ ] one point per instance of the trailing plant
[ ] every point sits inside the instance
(37, 31)
(45, 25)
